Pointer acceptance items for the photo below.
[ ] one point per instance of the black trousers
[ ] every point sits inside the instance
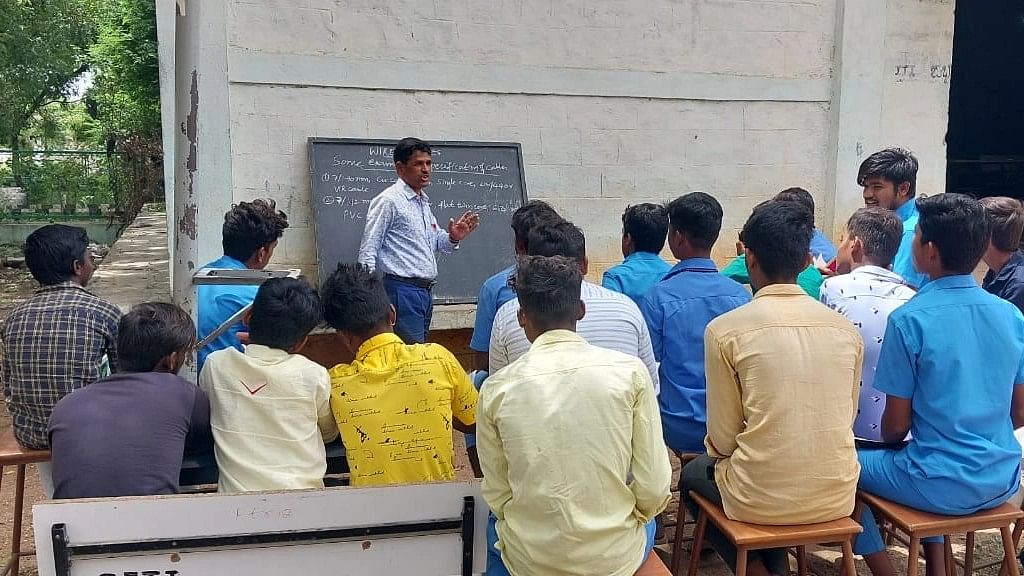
(699, 476)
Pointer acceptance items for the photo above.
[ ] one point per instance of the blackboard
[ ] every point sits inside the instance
(485, 177)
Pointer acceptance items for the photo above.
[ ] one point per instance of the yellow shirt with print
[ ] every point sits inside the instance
(394, 406)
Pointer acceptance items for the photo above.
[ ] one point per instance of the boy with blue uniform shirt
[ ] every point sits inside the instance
(677, 311)
(494, 293)
(644, 227)
(961, 407)
(889, 178)
(249, 236)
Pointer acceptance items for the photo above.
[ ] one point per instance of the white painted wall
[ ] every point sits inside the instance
(614, 101)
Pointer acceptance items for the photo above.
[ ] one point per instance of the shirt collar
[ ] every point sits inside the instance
(410, 193)
(693, 264)
(67, 285)
(643, 256)
(261, 352)
(228, 263)
(1008, 269)
(908, 210)
(780, 290)
(378, 341)
(556, 337)
(879, 272)
(950, 283)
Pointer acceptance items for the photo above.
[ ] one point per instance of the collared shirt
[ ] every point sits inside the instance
(956, 352)
(612, 321)
(52, 344)
(903, 264)
(821, 246)
(636, 275)
(218, 302)
(866, 297)
(125, 435)
(270, 413)
(1008, 282)
(783, 382)
(494, 293)
(402, 235)
(678, 310)
(394, 407)
(559, 432)
(809, 280)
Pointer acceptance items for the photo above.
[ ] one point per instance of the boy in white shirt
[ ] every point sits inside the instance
(270, 407)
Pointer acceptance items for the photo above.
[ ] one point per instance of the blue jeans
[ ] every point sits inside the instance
(496, 566)
(880, 476)
(414, 307)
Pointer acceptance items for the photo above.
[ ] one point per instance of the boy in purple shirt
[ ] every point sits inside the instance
(125, 435)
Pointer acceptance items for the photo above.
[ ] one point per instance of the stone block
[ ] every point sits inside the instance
(560, 146)
(618, 182)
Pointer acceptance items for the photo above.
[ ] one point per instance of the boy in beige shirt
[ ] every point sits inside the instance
(783, 375)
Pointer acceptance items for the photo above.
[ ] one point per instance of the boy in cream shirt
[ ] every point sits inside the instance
(269, 407)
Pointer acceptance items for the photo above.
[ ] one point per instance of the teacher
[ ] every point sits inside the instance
(402, 236)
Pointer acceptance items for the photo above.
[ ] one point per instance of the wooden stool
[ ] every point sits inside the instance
(681, 521)
(918, 525)
(749, 537)
(12, 454)
(653, 566)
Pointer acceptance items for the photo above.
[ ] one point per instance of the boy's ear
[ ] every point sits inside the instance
(247, 317)
(392, 316)
(171, 363)
(298, 347)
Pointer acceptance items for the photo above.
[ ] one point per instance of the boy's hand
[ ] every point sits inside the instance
(243, 337)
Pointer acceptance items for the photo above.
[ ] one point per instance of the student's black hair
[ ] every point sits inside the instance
(958, 227)
(559, 239)
(151, 331)
(647, 225)
(779, 234)
(355, 300)
(1006, 219)
(530, 215)
(51, 252)
(284, 312)
(548, 289)
(407, 146)
(895, 165)
(799, 195)
(879, 231)
(698, 216)
(249, 226)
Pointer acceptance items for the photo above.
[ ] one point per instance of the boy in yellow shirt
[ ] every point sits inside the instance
(395, 404)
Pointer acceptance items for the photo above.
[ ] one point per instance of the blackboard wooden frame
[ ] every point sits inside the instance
(313, 140)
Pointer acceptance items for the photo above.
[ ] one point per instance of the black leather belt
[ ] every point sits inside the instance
(417, 282)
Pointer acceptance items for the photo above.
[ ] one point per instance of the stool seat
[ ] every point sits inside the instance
(653, 566)
(759, 536)
(925, 524)
(12, 453)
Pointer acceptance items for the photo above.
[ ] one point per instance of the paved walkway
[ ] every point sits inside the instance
(137, 268)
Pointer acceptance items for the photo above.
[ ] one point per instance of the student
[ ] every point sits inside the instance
(61, 339)
(570, 442)
(952, 368)
(1005, 277)
(889, 178)
(395, 404)
(401, 238)
(249, 236)
(783, 376)
(866, 292)
(810, 278)
(613, 321)
(644, 227)
(269, 406)
(494, 293)
(125, 435)
(677, 311)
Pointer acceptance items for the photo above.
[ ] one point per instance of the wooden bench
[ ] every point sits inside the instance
(918, 525)
(13, 454)
(653, 566)
(748, 537)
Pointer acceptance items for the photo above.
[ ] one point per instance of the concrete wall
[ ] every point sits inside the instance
(614, 101)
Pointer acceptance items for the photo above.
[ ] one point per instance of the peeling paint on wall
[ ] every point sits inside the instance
(187, 220)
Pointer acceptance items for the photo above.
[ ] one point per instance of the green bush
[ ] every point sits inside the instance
(67, 183)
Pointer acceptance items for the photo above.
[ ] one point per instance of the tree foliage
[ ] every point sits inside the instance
(44, 48)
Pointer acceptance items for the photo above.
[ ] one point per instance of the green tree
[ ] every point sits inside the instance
(44, 48)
